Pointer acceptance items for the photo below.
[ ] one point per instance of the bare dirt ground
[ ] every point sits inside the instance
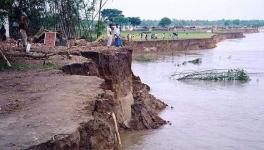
(36, 105)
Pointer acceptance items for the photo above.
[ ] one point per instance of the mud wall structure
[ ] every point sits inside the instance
(181, 45)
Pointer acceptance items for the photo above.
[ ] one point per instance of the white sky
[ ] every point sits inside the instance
(190, 9)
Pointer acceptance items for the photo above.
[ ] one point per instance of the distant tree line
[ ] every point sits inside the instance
(223, 22)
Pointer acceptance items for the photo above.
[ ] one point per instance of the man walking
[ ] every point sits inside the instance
(22, 29)
(109, 35)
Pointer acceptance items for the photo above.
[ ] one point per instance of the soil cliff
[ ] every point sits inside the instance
(182, 45)
(134, 107)
(81, 106)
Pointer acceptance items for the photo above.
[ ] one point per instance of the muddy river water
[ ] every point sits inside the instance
(207, 115)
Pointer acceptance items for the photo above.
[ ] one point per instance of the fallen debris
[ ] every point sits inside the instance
(214, 75)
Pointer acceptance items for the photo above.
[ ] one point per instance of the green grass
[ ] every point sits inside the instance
(24, 66)
(15, 66)
(168, 35)
(49, 66)
(3, 66)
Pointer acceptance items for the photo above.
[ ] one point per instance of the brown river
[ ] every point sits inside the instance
(207, 115)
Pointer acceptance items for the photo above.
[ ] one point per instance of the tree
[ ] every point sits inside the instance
(134, 21)
(120, 20)
(100, 27)
(236, 22)
(227, 23)
(165, 22)
(111, 14)
(34, 9)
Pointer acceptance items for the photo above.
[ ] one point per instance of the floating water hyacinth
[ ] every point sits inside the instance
(214, 75)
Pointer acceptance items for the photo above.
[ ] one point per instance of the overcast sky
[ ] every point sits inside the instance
(190, 9)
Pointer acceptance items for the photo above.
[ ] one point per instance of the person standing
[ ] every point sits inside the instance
(109, 35)
(118, 41)
(22, 29)
(146, 36)
(141, 36)
(132, 37)
(2, 33)
(128, 37)
(117, 31)
(163, 36)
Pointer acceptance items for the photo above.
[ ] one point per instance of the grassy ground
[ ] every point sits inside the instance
(26, 66)
(168, 35)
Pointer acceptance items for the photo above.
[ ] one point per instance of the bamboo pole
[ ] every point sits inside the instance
(5, 59)
(116, 129)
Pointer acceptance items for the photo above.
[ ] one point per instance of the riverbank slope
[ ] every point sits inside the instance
(182, 45)
(83, 105)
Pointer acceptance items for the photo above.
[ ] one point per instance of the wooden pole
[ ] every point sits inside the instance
(116, 129)
(5, 59)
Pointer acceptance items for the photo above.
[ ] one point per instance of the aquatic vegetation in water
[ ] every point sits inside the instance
(197, 61)
(214, 75)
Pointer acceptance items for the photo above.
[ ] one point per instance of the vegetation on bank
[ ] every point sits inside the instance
(222, 22)
(197, 61)
(88, 19)
(73, 18)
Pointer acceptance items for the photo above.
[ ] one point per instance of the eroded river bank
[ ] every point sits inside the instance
(206, 115)
(91, 93)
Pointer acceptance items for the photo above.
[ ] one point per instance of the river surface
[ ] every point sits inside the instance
(207, 115)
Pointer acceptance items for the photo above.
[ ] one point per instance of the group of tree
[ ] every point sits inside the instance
(74, 18)
(116, 16)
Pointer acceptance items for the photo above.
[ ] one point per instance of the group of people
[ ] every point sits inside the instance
(154, 36)
(113, 31)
